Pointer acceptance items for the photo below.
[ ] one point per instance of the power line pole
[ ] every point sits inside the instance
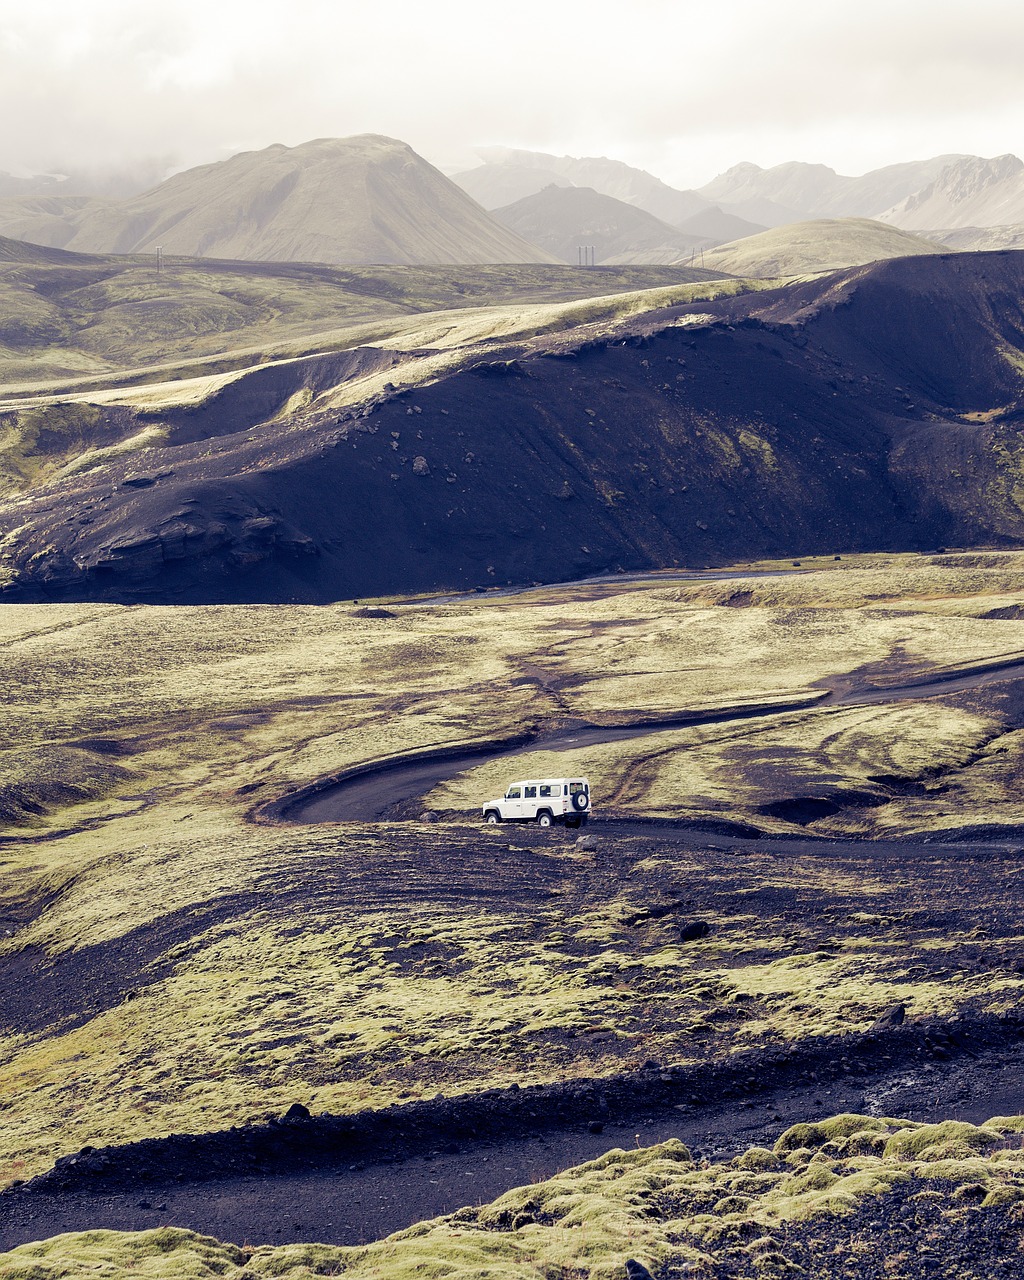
(159, 258)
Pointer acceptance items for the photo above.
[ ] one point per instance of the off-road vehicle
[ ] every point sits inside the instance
(544, 801)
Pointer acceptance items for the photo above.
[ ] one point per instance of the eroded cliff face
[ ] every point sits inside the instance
(877, 408)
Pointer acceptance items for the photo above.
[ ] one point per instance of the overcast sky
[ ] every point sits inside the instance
(679, 87)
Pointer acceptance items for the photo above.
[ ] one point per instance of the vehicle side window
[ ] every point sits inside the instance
(513, 793)
(545, 791)
(565, 791)
(529, 793)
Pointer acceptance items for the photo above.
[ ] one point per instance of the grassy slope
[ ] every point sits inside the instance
(833, 1198)
(162, 725)
(68, 314)
(824, 245)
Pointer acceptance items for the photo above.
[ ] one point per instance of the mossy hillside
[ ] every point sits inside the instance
(953, 583)
(274, 696)
(102, 314)
(246, 969)
(815, 1197)
(174, 695)
(952, 760)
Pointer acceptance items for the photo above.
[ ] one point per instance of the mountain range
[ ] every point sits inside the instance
(372, 199)
(937, 196)
(816, 191)
(562, 220)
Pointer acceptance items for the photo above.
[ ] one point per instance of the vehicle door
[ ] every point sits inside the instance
(529, 800)
(512, 805)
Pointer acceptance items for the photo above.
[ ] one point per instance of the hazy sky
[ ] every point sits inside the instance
(680, 87)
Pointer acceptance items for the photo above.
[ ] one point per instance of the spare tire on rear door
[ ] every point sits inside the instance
(580, 801)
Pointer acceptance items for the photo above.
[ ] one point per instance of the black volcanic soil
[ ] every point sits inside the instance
(877, 408)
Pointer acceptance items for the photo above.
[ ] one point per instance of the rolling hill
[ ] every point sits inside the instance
(366, 199)
(823, 245)
(561, 219)
(878, 407)
(985, 239)
(93, 317)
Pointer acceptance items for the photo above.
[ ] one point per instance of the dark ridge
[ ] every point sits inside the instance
(833, 415)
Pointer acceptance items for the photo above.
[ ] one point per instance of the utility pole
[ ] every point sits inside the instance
(159, 258)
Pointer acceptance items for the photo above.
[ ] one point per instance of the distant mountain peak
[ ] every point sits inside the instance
(970, 191)
(509, 174)
(367, 198)
(745, 169)
(965, 178)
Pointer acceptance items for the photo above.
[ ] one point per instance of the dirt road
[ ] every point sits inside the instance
(372, 791)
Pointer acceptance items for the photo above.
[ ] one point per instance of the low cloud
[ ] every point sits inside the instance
(685, 89)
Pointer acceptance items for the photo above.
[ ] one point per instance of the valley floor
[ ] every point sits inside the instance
(171, 966)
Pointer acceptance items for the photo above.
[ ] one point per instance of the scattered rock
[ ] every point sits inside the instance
(651, 913)
(419, 466)
(894, 1017)
(636, 1270)
(374, 613)
(691, 930)
(428, 815)
(595, 1126)
(296, 1112)
(586, 842)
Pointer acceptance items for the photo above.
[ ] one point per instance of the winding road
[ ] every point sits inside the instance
(370, 792)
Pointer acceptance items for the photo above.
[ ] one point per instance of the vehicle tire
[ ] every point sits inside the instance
(491, 817)
(580, 801)
(544, 818)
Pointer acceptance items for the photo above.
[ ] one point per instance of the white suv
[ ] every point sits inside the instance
(544, 801)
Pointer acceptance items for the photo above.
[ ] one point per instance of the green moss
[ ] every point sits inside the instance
(757, 1158)
(945, 1141)
(167, 1253)
(811, 1136)
(1002, 1196)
